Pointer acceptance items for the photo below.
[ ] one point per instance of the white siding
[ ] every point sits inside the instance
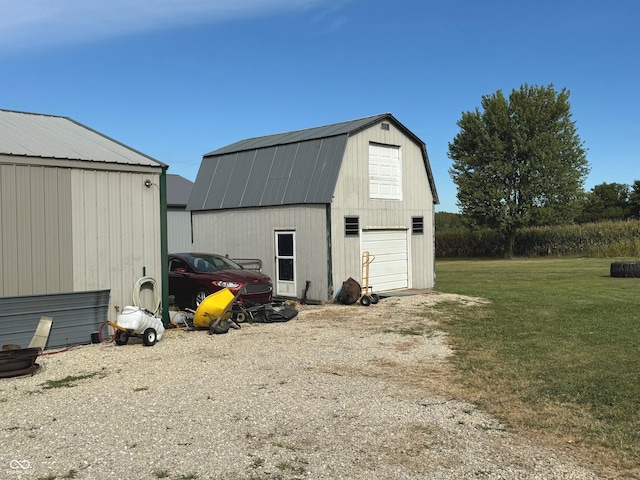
(249, 233)
(69, 230)
(178, 231)
(115, 233)
(351, 198)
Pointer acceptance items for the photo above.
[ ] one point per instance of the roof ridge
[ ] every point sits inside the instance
(35, 114)
(305, 134)
(318, 127)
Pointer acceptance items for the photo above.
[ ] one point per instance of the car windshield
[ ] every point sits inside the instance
(213, 263)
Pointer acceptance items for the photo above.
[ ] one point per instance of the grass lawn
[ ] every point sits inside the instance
(556, 352)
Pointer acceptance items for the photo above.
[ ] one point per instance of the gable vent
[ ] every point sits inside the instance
(384, 126)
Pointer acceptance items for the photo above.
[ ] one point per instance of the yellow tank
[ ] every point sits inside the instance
(217, 305)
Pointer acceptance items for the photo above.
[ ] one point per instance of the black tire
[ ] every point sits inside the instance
(374, 298)
(365, 301)
(199, 296)
(122, 337)
(149, 337)
(219, 328)
(625, 269)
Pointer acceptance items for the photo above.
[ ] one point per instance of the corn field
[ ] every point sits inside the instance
(605, 239)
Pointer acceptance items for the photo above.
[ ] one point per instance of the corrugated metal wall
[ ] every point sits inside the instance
(69, 229)
(351, 198)
(75, 317)
(35, 230)
(116, 232)
(178, 230)
(64, 230)
(250, 233)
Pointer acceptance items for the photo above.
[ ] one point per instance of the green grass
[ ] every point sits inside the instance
(557, 351)
(69, 381)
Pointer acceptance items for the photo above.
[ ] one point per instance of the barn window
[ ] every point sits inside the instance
(385, 172)
(351, 226)
(417, 225)
(385, 126)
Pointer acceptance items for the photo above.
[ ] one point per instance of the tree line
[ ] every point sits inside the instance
(604, 202)
(518, 162)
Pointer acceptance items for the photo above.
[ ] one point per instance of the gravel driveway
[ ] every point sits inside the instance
(335, 393)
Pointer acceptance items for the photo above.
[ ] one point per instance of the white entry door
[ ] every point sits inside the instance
(286, 264)
(390, 267)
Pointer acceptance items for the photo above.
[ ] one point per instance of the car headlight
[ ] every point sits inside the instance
(226, 284)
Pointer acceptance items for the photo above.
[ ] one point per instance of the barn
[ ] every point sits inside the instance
(311, 202)
(82, 221)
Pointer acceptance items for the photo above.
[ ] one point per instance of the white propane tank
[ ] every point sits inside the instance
(138, 320)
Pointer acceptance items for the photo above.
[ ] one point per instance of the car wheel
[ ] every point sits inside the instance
(122, 337)
(199, 297)
(149, 337)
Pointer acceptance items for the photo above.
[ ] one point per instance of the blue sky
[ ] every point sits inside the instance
(176, 79)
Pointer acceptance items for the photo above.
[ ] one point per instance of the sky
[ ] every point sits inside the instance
(176, 79)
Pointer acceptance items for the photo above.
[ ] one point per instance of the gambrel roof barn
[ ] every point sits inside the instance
(311, 202)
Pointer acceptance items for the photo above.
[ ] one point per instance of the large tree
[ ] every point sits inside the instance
(519, 162)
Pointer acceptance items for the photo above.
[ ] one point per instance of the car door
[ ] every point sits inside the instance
(181, 281)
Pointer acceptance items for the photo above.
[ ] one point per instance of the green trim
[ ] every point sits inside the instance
(164, 254)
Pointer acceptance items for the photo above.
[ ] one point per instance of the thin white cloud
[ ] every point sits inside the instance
(26, 24)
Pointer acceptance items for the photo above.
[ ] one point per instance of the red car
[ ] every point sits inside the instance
(194, 276)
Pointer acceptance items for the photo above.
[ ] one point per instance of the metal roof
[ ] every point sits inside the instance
(178, 190)
(335, 129)
(48, 136)
(283, 169)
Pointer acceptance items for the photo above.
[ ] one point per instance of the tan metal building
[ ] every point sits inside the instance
(78, 211)
(178, 218)
(309, 203)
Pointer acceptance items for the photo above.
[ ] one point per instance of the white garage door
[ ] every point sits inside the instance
(390, 268)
